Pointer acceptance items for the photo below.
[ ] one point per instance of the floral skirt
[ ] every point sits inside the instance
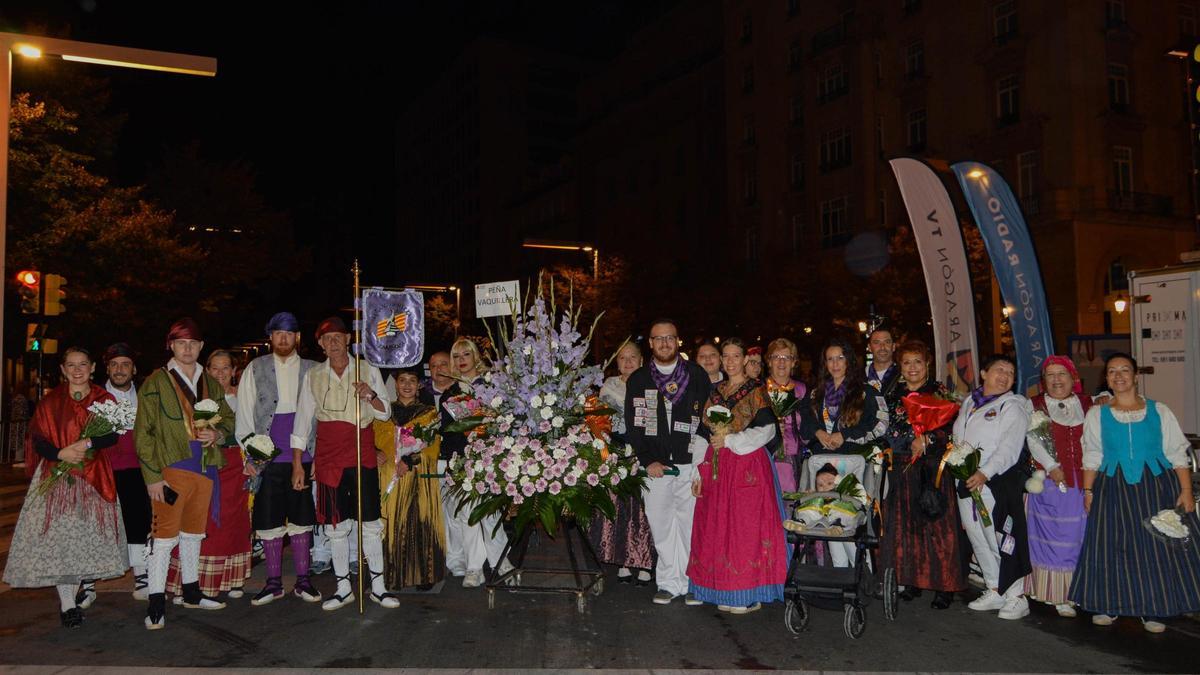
(414, 534)
(625, 540)
(924, 551)
(1124, 570)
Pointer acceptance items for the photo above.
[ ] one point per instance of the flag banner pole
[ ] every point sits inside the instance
(358, 434)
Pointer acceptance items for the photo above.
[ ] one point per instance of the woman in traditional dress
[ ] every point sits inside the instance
(225, 560)
(739, 555)
(74, 531)
(625, 540)
(1055, 515)
(781, 363)
(920, 519)
(414, 533)
(841, 413)
(1135, 465)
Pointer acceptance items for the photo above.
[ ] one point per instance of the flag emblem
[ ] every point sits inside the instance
(397, 323)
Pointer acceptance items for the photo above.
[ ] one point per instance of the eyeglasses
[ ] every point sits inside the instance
(664, 339)
(783, 358)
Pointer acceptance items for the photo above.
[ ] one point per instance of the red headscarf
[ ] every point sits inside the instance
(1065, 362)
(184, 329)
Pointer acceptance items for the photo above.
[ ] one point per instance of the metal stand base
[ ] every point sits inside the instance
(589, 576)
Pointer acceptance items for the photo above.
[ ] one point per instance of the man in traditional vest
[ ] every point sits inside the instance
(179, 458)
(283, 505)
(327, 395)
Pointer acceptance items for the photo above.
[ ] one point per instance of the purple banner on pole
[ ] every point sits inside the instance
(393, 327)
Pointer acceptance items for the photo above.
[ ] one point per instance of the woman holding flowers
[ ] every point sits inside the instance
(739, 556)
(842, 413)
(414, 533)
(625, 540)
(786, 393)
(69, 529)
(993, 421)
(1136, 481)
(921, 522)
(225, 551)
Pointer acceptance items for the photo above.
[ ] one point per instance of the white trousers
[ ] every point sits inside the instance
(984, 543)
(468, 546)
(842, 553)
(669, 509)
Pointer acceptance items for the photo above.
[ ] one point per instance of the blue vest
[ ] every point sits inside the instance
(1132, 447)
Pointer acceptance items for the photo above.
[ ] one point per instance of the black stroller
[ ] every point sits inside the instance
(818, 518)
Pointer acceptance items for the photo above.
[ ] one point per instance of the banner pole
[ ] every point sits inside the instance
(358, 432)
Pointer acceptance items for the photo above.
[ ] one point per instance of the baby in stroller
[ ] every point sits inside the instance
(834, 509)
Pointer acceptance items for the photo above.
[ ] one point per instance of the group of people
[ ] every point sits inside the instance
(181, 501)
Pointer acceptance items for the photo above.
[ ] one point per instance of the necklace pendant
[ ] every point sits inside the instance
(77, 395)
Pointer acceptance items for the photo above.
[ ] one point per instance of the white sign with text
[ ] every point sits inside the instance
(497, 298)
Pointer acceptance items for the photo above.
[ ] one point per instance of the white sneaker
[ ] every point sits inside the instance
(1153, 626)
(724, 608)
(746, 610)
(988, 602)
(473, 579)
(1103, 620)
(1066, 610)
(1015, 608)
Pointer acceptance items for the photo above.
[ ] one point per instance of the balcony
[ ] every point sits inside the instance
(1140, 202)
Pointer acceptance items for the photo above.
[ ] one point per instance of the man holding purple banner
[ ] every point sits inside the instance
(267, 397)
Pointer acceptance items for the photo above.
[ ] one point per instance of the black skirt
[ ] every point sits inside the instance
(135, 504)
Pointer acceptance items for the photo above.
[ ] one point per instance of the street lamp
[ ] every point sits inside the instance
(36, 46)
(434, 288)
(558, 245)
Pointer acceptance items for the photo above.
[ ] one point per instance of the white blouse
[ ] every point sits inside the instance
(1175, 444)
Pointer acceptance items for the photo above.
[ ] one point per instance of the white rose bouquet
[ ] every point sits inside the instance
(720, 420)
(963, 461)
(104, 418)
(260, 451)
(204, 414)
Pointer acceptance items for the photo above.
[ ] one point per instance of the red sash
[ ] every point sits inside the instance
(335, 451)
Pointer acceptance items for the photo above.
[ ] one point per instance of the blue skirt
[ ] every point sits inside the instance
(1123, 569)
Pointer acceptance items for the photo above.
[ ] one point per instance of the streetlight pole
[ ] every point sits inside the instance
(36, 46)
(558, 245)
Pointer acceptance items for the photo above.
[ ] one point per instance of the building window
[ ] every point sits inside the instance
(795, 52)
(796, 111)
(796, 171)
(1187, 20)
(748, 78)
(750, 185)
(835, 149)
(748, 135)
(916, 130)
(1114, 13)
(1116, 279)
(835, 222)
(833, 83)
(1027, 182)
(1004, 20)
(1118, 86)
(1123, 169)
(914, 60)
(1007, 100)
(747, 28)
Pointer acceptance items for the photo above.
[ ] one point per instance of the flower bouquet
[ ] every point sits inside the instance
(783, 403)
(409, 442)
(927, 412)
(260, 451)
(104, 418)
(1039, 430)
(532, 452)
(963, 461)
(720, 421)
(204, 414)
(874, 454)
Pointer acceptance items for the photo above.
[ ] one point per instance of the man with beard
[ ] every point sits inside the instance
(327, 396)
(283, 505)
(882, 373)
(663, 403)
(179, 458)
(131, 489)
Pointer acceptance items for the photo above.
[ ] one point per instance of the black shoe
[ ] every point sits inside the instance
(156, 611)
(72, 618)
(424, 588)
(909, 593)
(627, 579)
(942, 600)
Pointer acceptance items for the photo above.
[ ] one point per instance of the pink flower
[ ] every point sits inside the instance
(593, 479)
(511, 490)
(603, 469)
(540, 485)
(544, 426)
(570, 479)
(494, 488)
(614, 479)
(480, 488)
(528, 490)
(555, 488)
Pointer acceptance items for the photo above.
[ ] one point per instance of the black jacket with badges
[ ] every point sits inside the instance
(665, 441)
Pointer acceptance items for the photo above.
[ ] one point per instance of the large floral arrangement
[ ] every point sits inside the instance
(538, 443)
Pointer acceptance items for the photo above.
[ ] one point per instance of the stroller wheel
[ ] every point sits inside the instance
(890, 594)
(855, 622)
(795, 615)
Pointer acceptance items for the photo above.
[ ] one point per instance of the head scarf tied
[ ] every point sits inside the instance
(285, 321)
(333, 324)
(1065, 362)
(184, 329)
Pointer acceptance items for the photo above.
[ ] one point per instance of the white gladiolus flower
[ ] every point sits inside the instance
(507, 442)
(598, 444)
(534, 470)
(622, 472)
(556, 371)
(557, 422)
(536, 401)
(496, 401)
(512, 472)
(547, 413)
(559, 453)
(550, 399)
(528, 350)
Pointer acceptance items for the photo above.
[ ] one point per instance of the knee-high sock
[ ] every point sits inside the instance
(189, 557)
(301, 557)
(66, 595)
(373, 548)
(339, 546)
(160, 562)
(137, 559)
(273, 551)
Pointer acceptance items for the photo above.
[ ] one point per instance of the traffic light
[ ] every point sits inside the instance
(54, 295)
(30, 290)
(35, 334)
